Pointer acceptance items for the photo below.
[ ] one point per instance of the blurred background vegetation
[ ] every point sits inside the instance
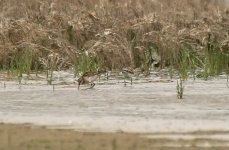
(111, 34)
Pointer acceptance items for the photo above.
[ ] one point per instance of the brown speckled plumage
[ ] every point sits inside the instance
(88, 77)
(128, 72)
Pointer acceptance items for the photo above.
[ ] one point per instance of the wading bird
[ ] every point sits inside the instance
(89, 78)
(128, 73)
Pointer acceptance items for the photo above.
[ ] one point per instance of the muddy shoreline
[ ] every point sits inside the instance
(27, 136)
(143, 107)
(147, 114)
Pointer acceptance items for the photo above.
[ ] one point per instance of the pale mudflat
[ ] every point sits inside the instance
(148, 106)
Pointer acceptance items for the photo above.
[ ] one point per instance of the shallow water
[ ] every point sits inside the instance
(149, 105)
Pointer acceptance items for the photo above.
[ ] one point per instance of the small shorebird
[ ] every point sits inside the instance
(89, 77)
(128, 73)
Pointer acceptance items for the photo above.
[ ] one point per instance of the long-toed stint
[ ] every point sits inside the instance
(89, 77)
(128, 73)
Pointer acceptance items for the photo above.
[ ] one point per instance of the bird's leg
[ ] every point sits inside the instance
(131, 80)
(124, 82)
(92, 85)
(107, 75)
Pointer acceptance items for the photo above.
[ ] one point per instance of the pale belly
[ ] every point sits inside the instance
(90, 79)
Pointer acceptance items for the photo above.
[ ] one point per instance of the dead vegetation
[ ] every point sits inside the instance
(120, 33)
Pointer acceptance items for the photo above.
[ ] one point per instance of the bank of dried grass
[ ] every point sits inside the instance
(118, 32)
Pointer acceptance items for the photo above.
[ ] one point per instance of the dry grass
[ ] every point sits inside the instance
(118, 32)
